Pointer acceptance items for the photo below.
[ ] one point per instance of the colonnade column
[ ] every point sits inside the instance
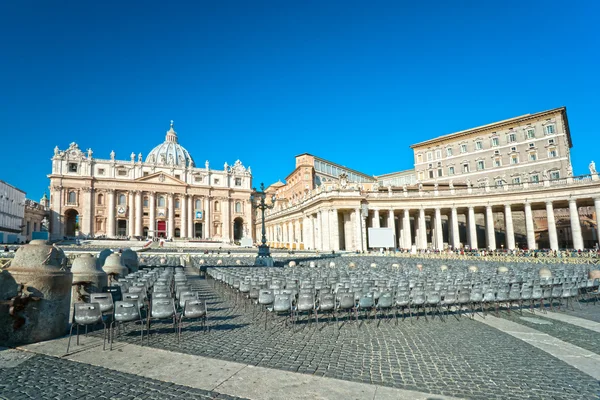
(406, 228)
(170, 217)
(510, 231)
(376, 218)
(529, 226)
(139, 228)
(131, 215)
(318, 232)
(183, 217)
(439, 235)
(290, 234)
(472, 229)
(422, 230)
(334, 230)
(575, 225)
(597, 211)
(192, 215)
(363, 230)
(490, 231)
(454, 228)
(551, 226)
(357, 230)
(151, 215)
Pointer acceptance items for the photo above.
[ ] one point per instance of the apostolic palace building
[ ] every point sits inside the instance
(504, 185)
(165, 195)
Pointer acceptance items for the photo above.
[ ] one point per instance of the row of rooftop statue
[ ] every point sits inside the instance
(37, 290)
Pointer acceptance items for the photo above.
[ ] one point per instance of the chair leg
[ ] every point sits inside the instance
(111, 330)
(104, 343)
(77, 334)
(70, 334)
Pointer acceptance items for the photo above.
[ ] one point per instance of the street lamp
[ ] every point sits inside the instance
(258, 201)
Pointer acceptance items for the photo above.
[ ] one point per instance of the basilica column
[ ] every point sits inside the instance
(357, 245)
(490, 231)
(183, 216)
(575, 225)
(406, 227)
(207, 231)
(299, 235)
(529, 226)
(334, 230)
(363, 231)
(597, 212)
(439, 235)
(392, 224)
(422, 230)
(170, 217)
(139, 228)
(310, 234)
(510, 231)
(226, 216)
(191, 216)
(376, 218)
(110, 221)
(131, 214)
(454, 228)
(88, 213)
(318, 232)
(472, 229)
(551, 226)
(151, 215)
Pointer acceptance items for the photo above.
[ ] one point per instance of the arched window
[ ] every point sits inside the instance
(146, 201)
(198, 204)
(161, 201)
(100, 199)
(176, 203)
(217, 206)
(72, 198)
(122, 200)
(238, 207)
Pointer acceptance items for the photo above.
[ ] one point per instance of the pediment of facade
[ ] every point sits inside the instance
(161, 178)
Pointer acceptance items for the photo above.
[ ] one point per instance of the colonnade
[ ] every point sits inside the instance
(333, 229)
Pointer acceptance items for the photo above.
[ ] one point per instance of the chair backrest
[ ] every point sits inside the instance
(266, 297)
(326, 301)
(306, 301)
(186, 296)
(347, 300)
(87, 313)
(386, 300)
(282, 302)
(366, 300)
(126, 311)
(163, 308)
(161, 295)
(104, 299)
(134, 297)
(115, 292)
(194, 308)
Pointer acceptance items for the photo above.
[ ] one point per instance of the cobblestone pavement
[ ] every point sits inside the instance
(588, 310)
(455, 357)
(44, 377)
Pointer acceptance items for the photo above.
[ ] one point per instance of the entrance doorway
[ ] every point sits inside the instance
(71, 222)
(161, 229)
(122, 227)
(198, 230)
(238, 229)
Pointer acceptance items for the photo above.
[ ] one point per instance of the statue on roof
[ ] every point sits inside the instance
(140, 157)
(592, 168)
(112, 155)
(132, 156)
(206, 164)
(90, 153)
(56, 150)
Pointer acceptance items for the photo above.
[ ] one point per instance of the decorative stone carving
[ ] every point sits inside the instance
(592, 168)
(90, 153)
(140, 157)
(112, 155)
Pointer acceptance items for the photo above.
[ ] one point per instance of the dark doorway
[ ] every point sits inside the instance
(71, 222)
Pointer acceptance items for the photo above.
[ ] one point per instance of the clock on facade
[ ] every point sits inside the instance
(121, 210)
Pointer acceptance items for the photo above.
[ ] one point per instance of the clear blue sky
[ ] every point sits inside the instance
(353, 82)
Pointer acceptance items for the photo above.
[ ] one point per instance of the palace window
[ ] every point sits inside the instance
(429, 156)
(421, 175)
(512, 149)
(531, 145)
(549, 129)
(499, 182)
(449, 152)
(177, 203)
(122, 172)
(431, 174)
(440, 172)
(552, 153)
(146, 201)
(216, 181)
(178, 176)
(100, 199)
(495, 142)
(238, 207)
(478, 145)
(555, 175)
(512, 137)
(450, 170)
(238, 181)
(161, 201)
(516, 181)
(217, 206)
(497, 162)
(463, 148)
(532, 157)
(72, 167)
(466, 167)
(480, 165)
(146, 173)
(550, 141)
(419, 158)
(514, 160)
(438, 154)
(530, 133)
(101, 171)
(122, 200)
(535, 178)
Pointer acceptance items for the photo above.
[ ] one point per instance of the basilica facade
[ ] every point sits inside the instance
(164, 195)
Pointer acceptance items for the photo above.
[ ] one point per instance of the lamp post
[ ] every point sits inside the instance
(258, 201)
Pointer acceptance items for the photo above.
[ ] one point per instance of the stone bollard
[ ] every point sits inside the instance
(444, 267)
(332, 265)
(102, 257)
(473, 269)
(292, 264)
(129, 258)
(35, 295)
(594, 274)
(114, 268)
(312, 264)
(545, 273)
(87, 278)
(502, 269)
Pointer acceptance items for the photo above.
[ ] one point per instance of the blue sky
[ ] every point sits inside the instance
(353, 82)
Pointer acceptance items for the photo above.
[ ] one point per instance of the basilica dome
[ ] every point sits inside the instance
(170, 152)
